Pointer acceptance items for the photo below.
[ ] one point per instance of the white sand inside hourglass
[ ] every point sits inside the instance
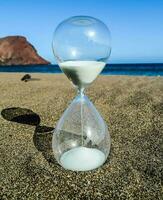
(82, 159)
(82, 72)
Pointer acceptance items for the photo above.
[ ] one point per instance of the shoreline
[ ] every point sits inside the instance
(61, 73)
(109, 69)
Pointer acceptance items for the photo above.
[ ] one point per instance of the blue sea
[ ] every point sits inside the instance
(110, 69)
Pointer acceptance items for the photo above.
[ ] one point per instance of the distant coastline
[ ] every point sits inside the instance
(141, 69)
(114, 64)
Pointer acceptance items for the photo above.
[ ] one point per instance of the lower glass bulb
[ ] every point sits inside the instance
(81, 140)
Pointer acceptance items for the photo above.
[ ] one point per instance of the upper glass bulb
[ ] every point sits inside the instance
(81, 46)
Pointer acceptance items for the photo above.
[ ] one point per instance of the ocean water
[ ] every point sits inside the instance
(110, 69)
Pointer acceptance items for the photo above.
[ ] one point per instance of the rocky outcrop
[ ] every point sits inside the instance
(16, 50)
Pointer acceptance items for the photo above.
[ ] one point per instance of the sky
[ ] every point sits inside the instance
(136, 26)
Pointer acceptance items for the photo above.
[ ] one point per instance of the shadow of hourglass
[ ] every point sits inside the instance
(42, 137)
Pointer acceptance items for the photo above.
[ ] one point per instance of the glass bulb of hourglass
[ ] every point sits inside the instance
(81, 140)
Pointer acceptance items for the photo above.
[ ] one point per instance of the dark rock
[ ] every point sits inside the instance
(16, 50)
(26, 77)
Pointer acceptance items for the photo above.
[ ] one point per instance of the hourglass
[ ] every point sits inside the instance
(81, 140)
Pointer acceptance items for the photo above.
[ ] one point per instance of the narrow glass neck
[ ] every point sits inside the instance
(81, 92)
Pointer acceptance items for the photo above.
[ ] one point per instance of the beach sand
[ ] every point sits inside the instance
(132, 108)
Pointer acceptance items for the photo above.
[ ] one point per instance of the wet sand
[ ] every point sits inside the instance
(132, 108)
